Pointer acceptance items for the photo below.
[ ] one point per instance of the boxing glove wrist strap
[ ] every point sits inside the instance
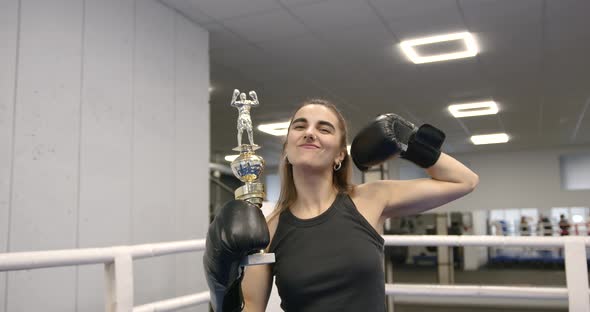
(424, 146)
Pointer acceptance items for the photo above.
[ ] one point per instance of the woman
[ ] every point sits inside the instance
(325, 232)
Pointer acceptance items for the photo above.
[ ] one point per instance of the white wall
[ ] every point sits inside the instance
(104, 139)
(523, 179)
(8, 24)
(526, 179)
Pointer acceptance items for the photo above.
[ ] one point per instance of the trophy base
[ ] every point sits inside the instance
(258, 258)
(251, 192)
(245, 148)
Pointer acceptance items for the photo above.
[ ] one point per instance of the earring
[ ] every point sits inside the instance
(337, 167)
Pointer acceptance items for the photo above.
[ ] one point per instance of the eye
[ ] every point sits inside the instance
(298, 127)
(325, 130)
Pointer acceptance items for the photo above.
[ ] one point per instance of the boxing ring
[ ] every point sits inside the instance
(118, 268)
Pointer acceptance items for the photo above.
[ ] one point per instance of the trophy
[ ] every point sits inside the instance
(248, 166)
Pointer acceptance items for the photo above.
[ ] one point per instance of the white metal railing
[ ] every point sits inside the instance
(118, 261)
(576, 292)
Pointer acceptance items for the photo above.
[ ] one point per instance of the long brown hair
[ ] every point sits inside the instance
(341, 178)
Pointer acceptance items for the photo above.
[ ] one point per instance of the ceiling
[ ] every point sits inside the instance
(533, 62)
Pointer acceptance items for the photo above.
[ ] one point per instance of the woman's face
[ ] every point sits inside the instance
(314, 138)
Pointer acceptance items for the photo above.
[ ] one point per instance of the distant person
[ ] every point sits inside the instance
(564, 226)
(524, 227)
(498, 227)
(545, 227)
(525, 230)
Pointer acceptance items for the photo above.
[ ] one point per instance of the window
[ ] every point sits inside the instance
(575, 171)
(508, 221)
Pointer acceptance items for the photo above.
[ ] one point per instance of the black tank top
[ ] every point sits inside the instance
(332, 262)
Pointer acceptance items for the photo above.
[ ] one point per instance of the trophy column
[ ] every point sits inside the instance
(248, 167)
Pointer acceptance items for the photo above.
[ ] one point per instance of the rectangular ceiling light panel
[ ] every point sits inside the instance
(473, 109)
(277, 129)
(471, 48)
(489, 138)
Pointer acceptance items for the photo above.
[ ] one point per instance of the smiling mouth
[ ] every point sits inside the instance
(309, 146)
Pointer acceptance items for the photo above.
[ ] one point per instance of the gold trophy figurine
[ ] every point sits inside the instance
(248, 167)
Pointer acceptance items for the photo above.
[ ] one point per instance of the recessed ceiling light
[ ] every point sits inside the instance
(489, 138)
(231, 158)
(277, 129)
(470, 45)
(473, 109)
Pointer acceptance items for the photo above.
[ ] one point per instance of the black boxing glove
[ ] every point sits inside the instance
(390, 135)
(238, 229)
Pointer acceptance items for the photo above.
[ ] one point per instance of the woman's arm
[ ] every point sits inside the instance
(449, 180)
(257, 282)
(256, 287)
(390, 135)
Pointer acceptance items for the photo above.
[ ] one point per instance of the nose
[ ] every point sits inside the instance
(308, 135)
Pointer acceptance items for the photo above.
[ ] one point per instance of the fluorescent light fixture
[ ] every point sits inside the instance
(348, 148)
(471, 48)
(489, 138)
(277, 129)
(473, 109)
(230, 158)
